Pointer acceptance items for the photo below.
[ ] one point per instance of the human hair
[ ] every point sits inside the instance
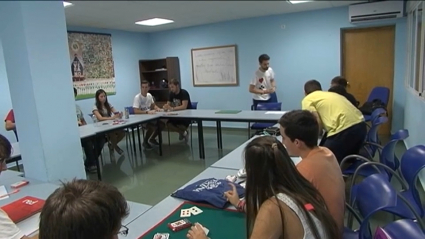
(5, 148)
(271, 171)
(174, 82)
(144, 82)
(75, 91)
(311, 86)
(263, 57)
(339, 89)
(301, 125)
(83, 209)
(106, 104)
(339, 80)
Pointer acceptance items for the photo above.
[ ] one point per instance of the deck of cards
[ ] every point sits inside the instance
(161, 236)
(191, 211)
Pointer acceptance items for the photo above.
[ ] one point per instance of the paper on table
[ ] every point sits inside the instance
(275, 112)
(30, 225)
(3, 191)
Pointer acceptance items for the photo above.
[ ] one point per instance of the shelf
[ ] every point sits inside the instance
(146, 72)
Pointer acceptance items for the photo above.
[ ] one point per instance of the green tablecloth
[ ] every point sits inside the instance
(223, 224)
(228, 111)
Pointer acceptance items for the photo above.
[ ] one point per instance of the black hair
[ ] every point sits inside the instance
(311, 86)
(301, 125)
(339, 80)
(263, 57)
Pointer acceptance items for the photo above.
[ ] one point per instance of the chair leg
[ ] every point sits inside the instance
(191, 141)
(169, 142)
(17, 165)
(249, 130)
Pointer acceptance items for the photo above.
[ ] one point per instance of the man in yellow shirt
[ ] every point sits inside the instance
(344, 124)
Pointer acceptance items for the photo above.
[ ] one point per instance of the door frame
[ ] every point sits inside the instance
(341, 38)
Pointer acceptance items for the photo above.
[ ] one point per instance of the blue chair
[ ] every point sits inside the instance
(380, 93)
(377, 195)
(264, 107)
(412, 162)
(373, 137)
(404, 229)
(375, 115)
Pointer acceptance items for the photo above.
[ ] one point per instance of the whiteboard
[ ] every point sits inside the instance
(215, 66)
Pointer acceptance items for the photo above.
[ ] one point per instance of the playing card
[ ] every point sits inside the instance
(195, 211)
(185, 213)
(205, 230)
(161, 236)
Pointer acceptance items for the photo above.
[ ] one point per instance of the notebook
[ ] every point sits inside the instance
(23, 208)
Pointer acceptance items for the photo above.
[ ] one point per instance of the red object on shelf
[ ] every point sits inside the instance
(23, 208)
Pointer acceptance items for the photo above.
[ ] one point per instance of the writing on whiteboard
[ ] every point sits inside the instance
(214, 66)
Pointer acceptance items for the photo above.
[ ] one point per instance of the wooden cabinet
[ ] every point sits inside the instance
(158, 72)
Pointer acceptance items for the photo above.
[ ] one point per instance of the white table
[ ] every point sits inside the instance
(10, 174)
(161, 210)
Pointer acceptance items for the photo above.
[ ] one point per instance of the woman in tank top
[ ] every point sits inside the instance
(290, 206)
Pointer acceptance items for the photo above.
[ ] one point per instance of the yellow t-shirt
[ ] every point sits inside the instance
(334, 110)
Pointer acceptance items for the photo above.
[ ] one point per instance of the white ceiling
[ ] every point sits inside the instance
(121, 15)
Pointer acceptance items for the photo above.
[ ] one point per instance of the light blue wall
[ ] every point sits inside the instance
(414, 117)
(308, 47)
(127, 49)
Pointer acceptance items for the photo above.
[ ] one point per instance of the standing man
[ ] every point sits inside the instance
(9, 123)
(144, 104)
(263, 84)
(179, 99)
(343, 122)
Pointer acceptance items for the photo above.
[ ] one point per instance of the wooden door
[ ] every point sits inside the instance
(367, 61)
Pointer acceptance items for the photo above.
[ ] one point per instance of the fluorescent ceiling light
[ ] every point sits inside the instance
(154, 22)
(67, 4)
(296, 1)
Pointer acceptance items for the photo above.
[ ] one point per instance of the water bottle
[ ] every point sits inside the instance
(127, 113)
(94, 120)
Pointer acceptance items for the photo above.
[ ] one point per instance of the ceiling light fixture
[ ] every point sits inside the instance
(154, 22)
(67, 4)
(301, 1)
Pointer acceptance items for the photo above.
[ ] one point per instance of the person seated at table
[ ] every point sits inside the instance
(144, 104)
(84, 209)
(105, 111)
(179, 99)
(344, 124)
(279, 201)
(339, 85)
(9, 123)
(88, 144)
(8, 229)
(299, 129)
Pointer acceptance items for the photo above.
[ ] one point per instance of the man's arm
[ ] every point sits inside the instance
(254, 90)
(139, 111)
(307, 104)
(318, 121)
(9, 125)
(181, 107)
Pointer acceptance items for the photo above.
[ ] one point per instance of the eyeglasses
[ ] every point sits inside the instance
(123, 231)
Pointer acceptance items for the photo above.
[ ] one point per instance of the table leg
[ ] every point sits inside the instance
(134, 141)
(99, 174)
(201, 140)
(158, 124)
(138, 137)
(219, 139)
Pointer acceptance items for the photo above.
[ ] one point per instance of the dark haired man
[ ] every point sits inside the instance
(343, 122)
(318, 165)
(179, 99)
(84, 209)
(8, 229)
(263, 83)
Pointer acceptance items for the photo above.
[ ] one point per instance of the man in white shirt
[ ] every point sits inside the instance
(144, 104)
(8, 229)
(263, 84)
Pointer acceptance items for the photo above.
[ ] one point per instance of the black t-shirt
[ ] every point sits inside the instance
(177, 99)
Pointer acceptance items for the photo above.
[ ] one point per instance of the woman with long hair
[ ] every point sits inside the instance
(279, 202)
(339, 85)
(105, 111)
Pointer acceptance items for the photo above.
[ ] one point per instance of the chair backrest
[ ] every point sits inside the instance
(273, 97)
(412, 162)
(372, 135)
(194, 105)
(379, 92)
(404, 228)
(376, 114)
(270, 106)
(388, 156)
(130, 110)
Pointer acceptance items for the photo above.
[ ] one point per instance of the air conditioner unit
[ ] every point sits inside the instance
(373, 11)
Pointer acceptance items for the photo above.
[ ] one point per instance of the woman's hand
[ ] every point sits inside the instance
(196, 232)
(232, 195)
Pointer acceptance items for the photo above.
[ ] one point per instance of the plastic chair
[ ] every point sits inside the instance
(404, 229)
(375, 115)
(265, 107)
(379, 195)
(372, 137)
(381, 93)
(412, 162)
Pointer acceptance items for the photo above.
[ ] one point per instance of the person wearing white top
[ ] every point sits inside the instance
(8, 229)
(144, 104)
(263, 83)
